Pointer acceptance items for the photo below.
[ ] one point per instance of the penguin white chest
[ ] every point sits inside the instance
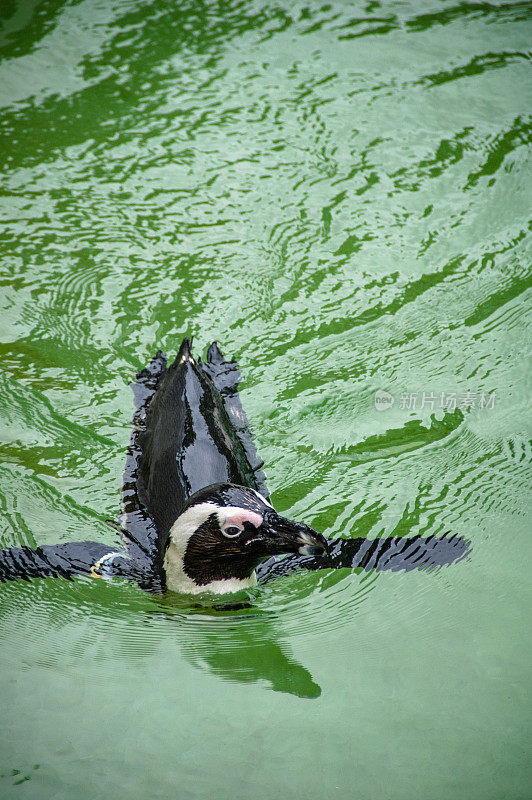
(177, 579)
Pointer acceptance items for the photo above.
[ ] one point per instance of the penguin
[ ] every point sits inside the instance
(194, 495)
(196, 511)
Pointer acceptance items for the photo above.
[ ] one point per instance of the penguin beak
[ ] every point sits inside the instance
(281, 535)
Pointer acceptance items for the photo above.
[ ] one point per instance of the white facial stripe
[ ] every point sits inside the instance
(188, 522)
(232, 515)
(261, 497)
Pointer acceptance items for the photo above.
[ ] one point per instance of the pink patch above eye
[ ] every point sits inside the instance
(239, 517)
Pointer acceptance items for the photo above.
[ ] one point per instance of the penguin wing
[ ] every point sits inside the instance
(66, 560)
(395, 553)
(226, 376)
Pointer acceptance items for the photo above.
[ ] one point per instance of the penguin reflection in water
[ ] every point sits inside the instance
(196, 510)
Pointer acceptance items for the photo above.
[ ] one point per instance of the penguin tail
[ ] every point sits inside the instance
(185, 352)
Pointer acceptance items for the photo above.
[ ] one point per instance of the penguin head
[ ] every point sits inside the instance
(221, 535)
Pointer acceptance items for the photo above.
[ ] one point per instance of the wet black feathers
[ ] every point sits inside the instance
(190, 431)
(226, 376)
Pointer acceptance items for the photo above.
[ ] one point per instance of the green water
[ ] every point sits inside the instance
(338, 193)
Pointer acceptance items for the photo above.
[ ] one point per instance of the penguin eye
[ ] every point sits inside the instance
(232, 530)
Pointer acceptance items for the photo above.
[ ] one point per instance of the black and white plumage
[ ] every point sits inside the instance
(222, 535)
(196, 510)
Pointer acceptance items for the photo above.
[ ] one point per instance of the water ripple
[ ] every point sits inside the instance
(337, 194)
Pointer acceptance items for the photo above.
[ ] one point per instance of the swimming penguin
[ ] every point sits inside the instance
(196, 511)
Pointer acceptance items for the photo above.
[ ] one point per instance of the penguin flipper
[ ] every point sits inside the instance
(226, 376)
(396, 553)
(138, 529)
(66, 560)
(399, 553)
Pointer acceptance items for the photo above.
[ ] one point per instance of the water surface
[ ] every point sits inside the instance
(338, 193)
